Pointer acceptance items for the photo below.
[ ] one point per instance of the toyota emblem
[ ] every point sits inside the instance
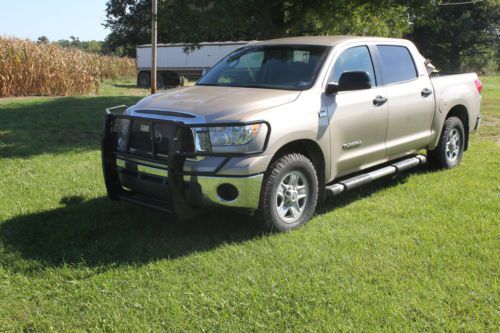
(158, 137)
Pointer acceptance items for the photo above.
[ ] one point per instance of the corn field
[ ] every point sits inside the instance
(31, 69)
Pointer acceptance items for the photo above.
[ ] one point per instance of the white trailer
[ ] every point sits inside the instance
(176, 61)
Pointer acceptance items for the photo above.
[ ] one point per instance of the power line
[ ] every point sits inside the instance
(459, 3)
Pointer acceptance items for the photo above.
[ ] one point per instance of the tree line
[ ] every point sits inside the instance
(90, 46)
(455, 35)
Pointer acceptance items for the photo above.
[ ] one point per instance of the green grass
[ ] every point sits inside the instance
(417, 253)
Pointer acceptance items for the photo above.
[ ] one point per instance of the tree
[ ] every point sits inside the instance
(453, 36)
(194, 21)
(43, 40)
(459, 37)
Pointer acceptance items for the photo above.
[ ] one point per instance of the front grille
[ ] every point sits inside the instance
(162, 131)
(150, 139)
(140, 138)
(188, 140)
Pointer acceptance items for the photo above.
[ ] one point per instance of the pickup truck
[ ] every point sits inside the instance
(276, 125)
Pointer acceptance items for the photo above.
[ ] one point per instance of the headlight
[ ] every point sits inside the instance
(230, 139)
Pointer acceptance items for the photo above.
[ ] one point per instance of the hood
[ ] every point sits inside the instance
(208, 103)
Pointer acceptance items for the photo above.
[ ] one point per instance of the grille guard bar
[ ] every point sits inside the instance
(175, 165)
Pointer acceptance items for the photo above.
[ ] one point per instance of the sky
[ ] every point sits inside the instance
(56, 19)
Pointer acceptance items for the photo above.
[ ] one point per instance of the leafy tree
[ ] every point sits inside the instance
(453, 36)
(43, 40)
(457, 37)
(194, 21)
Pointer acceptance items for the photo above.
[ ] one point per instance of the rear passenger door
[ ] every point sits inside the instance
(410, 101)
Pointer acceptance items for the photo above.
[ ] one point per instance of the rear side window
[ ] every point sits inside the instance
(354, 59)
(397, 64)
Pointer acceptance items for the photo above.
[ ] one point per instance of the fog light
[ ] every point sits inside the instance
(227, 192)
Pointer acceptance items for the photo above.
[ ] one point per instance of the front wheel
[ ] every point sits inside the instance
(290, 193)
(450, 148)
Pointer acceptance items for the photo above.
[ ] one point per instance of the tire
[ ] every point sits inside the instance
(450, 148)
(144, 80)
(289, 193)
(159, 81)
(170, 79)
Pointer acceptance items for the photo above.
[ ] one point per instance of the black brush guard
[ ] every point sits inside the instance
(173, 160)
(176, 144)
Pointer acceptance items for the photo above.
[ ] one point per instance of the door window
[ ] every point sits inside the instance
(354, 59)
(397, 64)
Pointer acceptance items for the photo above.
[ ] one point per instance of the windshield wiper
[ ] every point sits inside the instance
(208, 84)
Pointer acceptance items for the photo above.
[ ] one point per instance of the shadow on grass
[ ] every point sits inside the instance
(127, 86)
(36, 126)
(101, 232)
(365, 191)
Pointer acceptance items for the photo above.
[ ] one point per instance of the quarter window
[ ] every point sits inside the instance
(397, 64)
(354, 59)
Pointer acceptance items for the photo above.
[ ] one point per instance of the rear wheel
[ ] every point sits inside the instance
(144, 80)
(171, 79)
(450, 148)
(290, 193)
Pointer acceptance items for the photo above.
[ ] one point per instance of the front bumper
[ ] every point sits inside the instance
(162, 183)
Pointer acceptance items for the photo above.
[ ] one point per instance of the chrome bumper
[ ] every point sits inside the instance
(248, 187)
(248, 190)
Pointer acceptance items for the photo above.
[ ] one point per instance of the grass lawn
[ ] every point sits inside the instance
(417, 253)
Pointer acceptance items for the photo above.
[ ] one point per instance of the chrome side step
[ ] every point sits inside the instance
(365, 178)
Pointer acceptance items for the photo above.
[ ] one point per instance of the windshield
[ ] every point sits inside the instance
(290, 67)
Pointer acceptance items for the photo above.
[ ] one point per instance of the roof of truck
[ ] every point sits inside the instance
(241, 42)
(327, 40)
(304, 40)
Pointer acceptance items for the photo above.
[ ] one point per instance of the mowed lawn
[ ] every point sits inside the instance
(415, 253)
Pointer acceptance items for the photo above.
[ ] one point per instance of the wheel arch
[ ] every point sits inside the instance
(460, 111)
(312, 151)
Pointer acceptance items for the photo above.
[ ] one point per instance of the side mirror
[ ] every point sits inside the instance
(350, 81)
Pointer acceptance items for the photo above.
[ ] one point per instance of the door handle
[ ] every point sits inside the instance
(426, 92)
(379, 100)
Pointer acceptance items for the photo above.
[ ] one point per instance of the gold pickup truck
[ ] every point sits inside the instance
(275, 125)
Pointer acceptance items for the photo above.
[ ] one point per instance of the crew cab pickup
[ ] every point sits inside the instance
(275, 125)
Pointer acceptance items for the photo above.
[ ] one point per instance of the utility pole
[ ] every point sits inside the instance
(154, 39)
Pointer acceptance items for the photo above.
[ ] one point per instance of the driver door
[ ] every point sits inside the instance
(358, 119)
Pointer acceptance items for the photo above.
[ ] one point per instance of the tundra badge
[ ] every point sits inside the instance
(351, 145)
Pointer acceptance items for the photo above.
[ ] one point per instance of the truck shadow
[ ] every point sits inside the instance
(54, 125)
(128, 86)
(365, 191)
(102, 233)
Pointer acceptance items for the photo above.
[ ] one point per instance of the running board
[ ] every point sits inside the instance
(365, 178)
